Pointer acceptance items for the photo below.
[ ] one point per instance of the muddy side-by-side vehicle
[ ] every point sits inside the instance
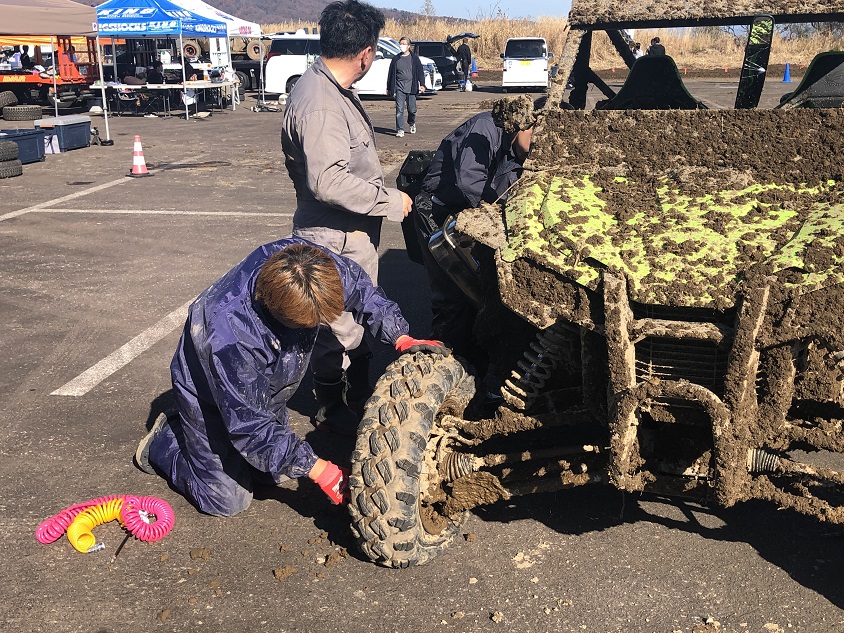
(662, 298)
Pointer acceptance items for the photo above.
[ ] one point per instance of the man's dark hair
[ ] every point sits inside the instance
(346, 27)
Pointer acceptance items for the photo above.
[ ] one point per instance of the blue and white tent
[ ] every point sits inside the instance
(154, 18)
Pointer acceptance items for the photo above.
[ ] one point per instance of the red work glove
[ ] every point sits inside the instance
(334, 482)
(406, 344)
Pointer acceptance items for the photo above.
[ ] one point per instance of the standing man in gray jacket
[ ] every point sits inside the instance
(329, 151)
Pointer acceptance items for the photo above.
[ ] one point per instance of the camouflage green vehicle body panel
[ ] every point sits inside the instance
(567, 224)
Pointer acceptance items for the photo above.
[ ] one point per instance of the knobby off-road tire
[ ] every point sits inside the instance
(388, 468)
(7, 98)
(22, 113)
(8, 150)
(10, 169)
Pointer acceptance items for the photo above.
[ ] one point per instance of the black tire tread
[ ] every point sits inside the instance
(10, 169)
(391, 442)
(22, 113)
(8, 150)
(7, 98)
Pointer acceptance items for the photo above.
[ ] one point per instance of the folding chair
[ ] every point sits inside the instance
(125, 100)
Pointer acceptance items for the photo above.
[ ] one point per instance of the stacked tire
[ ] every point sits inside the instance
(11, 111)
(10, 166)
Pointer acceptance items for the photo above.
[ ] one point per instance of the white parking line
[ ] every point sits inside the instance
(72, 196)
(122, 356)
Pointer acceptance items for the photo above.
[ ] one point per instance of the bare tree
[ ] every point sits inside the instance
(428, 9)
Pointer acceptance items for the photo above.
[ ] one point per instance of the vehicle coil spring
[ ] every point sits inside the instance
(761, 461)
(456, 465)
(540, 360)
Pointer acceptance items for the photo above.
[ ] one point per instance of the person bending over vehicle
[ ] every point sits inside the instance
(244, 349)
(477, 162)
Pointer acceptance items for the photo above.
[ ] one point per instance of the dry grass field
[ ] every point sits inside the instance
(704, 48)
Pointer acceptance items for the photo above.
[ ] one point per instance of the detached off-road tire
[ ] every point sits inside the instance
(7, 98)
(22, 113)
(390, 518)
(10, 169)
(8, 150)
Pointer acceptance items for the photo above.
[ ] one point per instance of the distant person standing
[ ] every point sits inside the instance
(405, 80)
(655, 48)
(26, 60)
(464, 56)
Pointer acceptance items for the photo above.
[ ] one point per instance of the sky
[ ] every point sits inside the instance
(486, 8)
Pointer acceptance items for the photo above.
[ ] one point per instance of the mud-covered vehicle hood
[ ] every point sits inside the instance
(686, 205)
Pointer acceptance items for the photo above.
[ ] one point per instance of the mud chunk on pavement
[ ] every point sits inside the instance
(164, 557)
(457, 615)
(281, 573)
(200, 553)
(335, 557)
(163, 615)
(283, 547)
(497, 617)
(470, 538)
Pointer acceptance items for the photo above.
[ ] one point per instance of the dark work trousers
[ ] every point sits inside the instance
(453, 314)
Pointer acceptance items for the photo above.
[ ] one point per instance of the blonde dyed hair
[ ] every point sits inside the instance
(301, 284)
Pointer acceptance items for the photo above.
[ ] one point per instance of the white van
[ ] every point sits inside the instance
(290, 55)
(526, 61)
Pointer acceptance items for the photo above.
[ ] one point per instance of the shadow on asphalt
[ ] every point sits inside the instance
(811, 552)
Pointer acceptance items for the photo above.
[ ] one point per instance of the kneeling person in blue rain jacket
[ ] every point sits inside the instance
(245, 347)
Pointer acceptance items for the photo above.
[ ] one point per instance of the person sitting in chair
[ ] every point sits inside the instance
(156, 75)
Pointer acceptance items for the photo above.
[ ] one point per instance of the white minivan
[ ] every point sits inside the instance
(291, 54)
(526, 62)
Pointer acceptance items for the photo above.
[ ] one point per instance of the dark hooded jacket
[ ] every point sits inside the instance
(236, 366)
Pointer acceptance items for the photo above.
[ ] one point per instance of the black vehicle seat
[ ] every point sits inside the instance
(653, 83)
(822, 86)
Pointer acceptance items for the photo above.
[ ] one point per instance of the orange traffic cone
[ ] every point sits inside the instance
(139, 165)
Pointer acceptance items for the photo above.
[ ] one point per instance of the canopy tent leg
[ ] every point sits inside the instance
(55, 70)
(184, 77)
(107, 140)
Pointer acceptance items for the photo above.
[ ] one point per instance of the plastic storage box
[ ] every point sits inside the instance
(73, 131)
(30, 144)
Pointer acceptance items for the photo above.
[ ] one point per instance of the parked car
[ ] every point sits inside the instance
(290, 55)
(444, 56)
(526, 62)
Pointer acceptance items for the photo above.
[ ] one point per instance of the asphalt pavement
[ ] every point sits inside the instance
(96, 271)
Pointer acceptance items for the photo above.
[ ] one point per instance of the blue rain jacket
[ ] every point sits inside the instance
(236, 367)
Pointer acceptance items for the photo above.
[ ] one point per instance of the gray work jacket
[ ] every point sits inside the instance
(329, 151)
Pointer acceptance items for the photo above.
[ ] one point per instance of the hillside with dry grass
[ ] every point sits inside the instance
(695, 49)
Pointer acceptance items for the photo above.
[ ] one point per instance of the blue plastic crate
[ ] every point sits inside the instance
(73, 131)
(30, 144)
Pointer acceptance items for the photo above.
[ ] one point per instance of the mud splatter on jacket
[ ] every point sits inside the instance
(236, 366)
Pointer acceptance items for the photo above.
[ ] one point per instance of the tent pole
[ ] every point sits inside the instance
(55, 70)
(184, 77)
(261, 67)
(230, 66)
(102, 86)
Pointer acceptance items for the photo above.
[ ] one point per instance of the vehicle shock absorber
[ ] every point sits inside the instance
(540, 360)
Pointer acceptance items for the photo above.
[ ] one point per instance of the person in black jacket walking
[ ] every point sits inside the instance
(405, 80)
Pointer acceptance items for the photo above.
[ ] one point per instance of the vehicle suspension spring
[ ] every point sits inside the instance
(540, 360)
(455, 465)
(761, 461)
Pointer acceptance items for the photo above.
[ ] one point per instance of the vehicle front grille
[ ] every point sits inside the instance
(700, 362)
